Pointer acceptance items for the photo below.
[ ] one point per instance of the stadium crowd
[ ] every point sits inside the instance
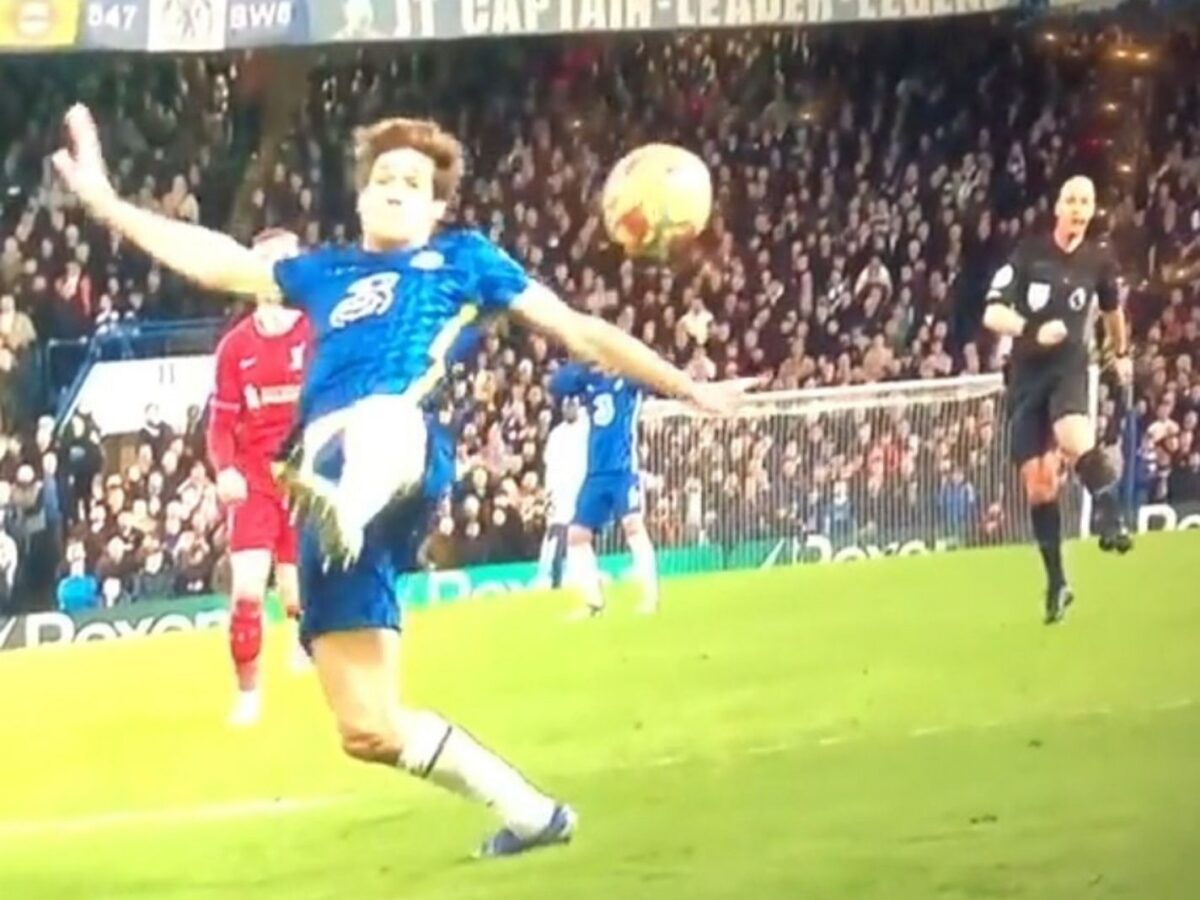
(869, 181)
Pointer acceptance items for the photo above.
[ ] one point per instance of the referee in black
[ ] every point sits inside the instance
(1043, 299)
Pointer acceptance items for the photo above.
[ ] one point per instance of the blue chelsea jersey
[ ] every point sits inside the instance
(613, 404)
(384, 323)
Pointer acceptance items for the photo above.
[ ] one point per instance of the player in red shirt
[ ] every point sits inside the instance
(260, 368)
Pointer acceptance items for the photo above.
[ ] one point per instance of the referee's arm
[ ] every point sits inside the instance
(1116, 331)
(1000, 314)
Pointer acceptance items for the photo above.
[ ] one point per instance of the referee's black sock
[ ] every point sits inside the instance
(1047, 529)
(1098, 475)
(1108, 510)
(1096, 471)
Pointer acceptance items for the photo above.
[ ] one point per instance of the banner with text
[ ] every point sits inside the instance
(427, 589)
(194, 25)
(258, 23)
(142, 619)
(1168, 517)
(186, 25)
(115, 25)
(449, 19)
(49, 629)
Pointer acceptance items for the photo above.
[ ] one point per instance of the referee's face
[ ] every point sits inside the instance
(1076, 205)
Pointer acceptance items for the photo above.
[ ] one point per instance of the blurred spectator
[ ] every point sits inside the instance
(958, 504)
(77, 590)
(8, 572)
(16, 328)
(154, 579)
(440, 548)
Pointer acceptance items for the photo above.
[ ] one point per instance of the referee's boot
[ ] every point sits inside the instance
(1058, 599)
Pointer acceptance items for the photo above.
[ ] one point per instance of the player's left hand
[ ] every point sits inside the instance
(231, 486)
(1123, 366)
(80, 164)
(722, 398)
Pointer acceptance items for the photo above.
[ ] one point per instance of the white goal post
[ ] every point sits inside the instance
(890, 468)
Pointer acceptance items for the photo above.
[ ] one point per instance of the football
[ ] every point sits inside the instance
(656, 199)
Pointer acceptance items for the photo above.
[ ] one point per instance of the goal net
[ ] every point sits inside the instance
(900, 468)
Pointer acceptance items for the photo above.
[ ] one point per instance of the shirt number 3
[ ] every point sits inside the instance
(602, 410)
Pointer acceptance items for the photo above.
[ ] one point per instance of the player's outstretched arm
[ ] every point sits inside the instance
(592, 339)
(213, 260)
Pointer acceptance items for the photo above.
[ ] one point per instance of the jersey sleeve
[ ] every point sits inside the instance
(226, 404)
(1108, 283)
(569, 380)
(1006, 283)
(499, 279)
(298, 275)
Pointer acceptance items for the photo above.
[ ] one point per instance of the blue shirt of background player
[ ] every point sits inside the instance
(385, 322)
(613, 403)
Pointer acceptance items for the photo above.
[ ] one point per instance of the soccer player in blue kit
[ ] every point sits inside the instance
(385, 314)
(612, 487)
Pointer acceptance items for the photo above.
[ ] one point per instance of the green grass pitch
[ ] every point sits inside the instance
(893, 730)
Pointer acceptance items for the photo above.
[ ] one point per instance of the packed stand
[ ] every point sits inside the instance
(868, 183)
(878, 180)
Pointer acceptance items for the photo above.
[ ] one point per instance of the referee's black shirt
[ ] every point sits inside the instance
(1042, 283)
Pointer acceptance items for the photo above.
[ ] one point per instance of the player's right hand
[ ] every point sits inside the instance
(1052, 333)
(80, 164)
(721, 398)
(231, 486)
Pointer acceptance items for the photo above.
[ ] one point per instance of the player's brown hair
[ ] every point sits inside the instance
(422, 135)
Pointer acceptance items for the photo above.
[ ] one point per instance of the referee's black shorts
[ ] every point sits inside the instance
(1038, 396)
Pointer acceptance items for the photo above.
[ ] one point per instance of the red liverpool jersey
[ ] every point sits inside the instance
(254, 404)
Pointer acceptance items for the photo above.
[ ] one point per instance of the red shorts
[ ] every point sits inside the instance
(260, 522)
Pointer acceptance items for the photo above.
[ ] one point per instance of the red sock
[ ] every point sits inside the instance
(245, 640)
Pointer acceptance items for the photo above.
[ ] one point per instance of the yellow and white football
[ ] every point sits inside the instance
(657, 198)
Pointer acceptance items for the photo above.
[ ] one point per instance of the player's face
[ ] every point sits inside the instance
(397, 207)
(1076, 205)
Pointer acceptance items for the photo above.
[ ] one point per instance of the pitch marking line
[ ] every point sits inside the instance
(184, 815)
(1174, 705)
(928, 731)
(663, 762)
(265, 808)
(769, 749)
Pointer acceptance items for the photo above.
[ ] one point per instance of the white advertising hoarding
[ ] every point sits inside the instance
(117, 393)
